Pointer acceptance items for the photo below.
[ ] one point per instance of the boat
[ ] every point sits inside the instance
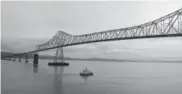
(86, 72)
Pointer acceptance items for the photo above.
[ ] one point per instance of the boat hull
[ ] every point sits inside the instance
(86, 74)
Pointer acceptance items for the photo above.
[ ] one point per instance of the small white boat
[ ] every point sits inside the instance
(86, 72)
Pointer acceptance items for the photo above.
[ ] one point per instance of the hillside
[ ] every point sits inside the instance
(4, 54)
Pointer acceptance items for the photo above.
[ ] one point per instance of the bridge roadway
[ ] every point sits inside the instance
(166, 26)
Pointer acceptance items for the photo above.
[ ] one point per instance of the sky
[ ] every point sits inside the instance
(27, 24)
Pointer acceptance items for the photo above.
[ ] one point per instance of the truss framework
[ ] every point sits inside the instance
(170, 24)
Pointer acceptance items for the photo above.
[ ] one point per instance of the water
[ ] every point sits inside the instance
(109, 78)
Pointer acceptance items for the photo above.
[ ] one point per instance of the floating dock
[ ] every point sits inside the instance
(58, 64)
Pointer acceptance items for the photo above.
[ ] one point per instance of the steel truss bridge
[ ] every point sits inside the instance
(167, 26)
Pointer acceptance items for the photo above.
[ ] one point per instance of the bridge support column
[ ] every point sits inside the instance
(26, 58)
(59, 58)
(36, 59)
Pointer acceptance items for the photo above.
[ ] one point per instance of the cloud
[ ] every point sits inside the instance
(20, 45)
(131, 49)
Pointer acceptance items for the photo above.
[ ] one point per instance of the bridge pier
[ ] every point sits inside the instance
(26, 59)
(36, 59)
(59, 58)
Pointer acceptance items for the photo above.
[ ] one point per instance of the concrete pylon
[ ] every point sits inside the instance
(36, 59)
(26, 59)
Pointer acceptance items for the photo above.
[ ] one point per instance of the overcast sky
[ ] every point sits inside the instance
(26, 24)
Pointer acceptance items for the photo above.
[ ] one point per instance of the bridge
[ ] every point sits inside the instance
(169, 25)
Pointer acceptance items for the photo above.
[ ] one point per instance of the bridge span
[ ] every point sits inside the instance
(167, 26)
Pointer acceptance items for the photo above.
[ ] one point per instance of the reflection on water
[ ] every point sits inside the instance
(109, 78)
(35, 68)
(58, 77)
(85, 78)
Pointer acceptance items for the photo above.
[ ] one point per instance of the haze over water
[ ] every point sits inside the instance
(109, 78)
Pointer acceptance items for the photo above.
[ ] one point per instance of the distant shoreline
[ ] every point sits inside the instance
(3, 54)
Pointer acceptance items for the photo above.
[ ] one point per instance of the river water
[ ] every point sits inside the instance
(109, 78)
